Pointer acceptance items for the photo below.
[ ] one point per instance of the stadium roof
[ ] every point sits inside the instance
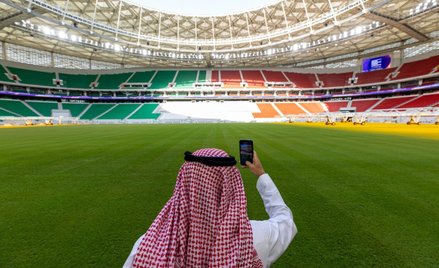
(285, 33)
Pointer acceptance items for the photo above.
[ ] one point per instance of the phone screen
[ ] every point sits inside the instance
(245, 151)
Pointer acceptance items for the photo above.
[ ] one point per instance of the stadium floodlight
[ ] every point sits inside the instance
(117, 48)
(47, 30)
(62, 34)
(74, 38)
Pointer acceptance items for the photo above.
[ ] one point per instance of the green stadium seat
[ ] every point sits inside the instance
(3, 76)
(112, 81)
(96, 110)
(141, 77)
(6, 113)
(185, 79)
(146, 112)
(32, 77)
(75, 108)
(17, 107)
(43, 107)
(120, 111)
(82, 81)
(162, 79)
(202, 76)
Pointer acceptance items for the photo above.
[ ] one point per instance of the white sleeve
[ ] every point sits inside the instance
(129, 262)
(272, 237)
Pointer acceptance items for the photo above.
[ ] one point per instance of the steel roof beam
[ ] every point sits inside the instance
(400, 26)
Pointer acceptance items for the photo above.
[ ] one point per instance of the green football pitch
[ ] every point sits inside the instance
(80, 196)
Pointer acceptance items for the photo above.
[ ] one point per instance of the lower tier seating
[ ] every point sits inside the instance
(120, 111)
(146, 112)
(392, 102)
(313, 107)
(334, 106)
(363, 105)
(96, 110)
(422, 101)
(16, 107)
(75, 108)
(267, 111)
(289, 108)
(43, 107)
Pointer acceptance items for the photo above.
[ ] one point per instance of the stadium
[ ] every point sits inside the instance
(100, 99)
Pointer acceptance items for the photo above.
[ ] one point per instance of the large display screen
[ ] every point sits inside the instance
(377, 63)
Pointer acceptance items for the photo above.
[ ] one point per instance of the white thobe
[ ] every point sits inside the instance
(270, 237)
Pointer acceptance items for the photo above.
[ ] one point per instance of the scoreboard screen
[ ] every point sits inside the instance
(377, 63)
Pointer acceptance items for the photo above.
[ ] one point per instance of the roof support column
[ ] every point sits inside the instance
(213, 34)
(307, 17)
(178, 33)
(266, 25)
(65, 11)
(118, 20)
(286, 21)
(94, 17)
(140, 25)
(230, 31)
(333, 13)
(248, 28)
(160, 28)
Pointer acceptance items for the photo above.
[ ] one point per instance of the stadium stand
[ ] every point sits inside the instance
(6, 113)
(17, 107)
(146, 111)
(112, 81)
(186, 79)
(43, 107)
(3, 73)
(289, 108)
(392, 102)
(95, 110)
(417, 68)
(374, 76)
(231, 79)
(120, 111)
(274, 76)
(334, 106)
(33, 77)
(267, 111)
(362, 105)
(302, 80)
(313, 107)
(253, 78)
(215, 76)
(75, 108)
(141, 77)
(162, 79)
(425, 100)
(201, 76)
(80, 81)
(335, 80)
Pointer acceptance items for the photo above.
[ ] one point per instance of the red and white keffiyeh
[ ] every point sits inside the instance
(204, 224)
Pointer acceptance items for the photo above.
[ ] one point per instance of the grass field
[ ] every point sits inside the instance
(79, 196)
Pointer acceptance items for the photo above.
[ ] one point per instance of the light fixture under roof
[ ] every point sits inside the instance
(203, 8)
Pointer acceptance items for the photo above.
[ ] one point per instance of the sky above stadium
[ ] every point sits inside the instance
(203, 7)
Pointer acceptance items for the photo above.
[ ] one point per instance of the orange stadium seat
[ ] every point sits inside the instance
(289, 108)
(313, 107)
(267, 111)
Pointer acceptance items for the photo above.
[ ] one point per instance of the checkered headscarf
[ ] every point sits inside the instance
(204, 224)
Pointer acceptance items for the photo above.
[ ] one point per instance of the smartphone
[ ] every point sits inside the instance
(245, 151)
